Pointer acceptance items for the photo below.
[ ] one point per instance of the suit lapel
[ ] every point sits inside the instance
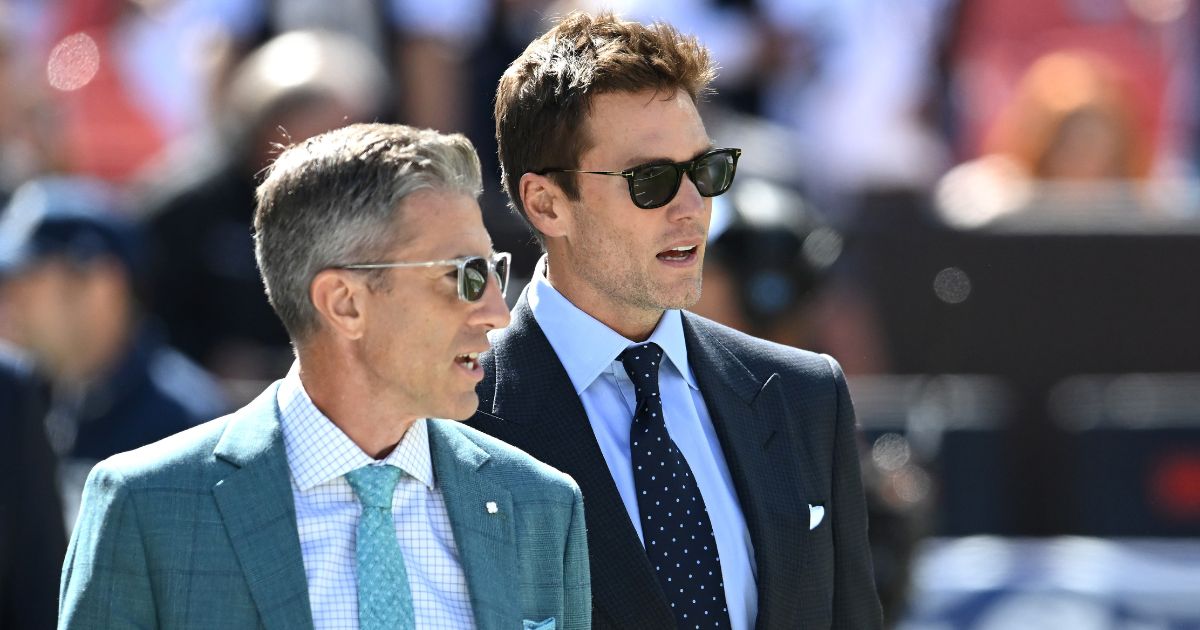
(481, 515)
(260, 516)
(748, 414)
(534, 395)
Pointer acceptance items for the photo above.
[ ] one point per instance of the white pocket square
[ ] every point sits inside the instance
(816, 514)
(548, 624)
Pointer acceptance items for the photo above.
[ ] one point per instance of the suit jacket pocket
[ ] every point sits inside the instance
(547, 624)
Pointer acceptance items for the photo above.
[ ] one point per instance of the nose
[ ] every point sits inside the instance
(687, 204)
(492, 311)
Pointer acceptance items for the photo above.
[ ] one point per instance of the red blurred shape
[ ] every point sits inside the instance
(1175, 485)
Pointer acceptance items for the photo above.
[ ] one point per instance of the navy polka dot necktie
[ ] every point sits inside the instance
(675, 527)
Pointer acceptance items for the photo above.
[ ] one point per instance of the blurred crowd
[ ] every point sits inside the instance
(132, 133)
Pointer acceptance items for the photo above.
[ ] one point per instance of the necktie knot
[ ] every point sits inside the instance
(374, 485)
(641, 363)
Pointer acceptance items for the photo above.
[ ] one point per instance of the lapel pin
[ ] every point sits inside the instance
(491, 507)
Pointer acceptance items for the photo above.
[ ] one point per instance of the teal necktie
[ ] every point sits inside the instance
(384, 601)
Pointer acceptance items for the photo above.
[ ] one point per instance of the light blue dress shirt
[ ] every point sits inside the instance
(588, 350)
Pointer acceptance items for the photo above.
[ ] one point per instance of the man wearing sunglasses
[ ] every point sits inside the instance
(336, 500)
(719, 471)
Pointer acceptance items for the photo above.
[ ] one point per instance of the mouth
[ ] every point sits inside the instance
(469, 360)
(469, 363)
(679, 256)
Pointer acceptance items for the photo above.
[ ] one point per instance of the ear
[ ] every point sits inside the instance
(545, 204)
(338, 296)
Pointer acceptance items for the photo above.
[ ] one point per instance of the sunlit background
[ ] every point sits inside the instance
(986, 210)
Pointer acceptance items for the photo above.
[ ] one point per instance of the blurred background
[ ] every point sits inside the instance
(987, 210)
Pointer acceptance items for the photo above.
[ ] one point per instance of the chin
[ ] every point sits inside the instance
(463, 408)
(681, 298)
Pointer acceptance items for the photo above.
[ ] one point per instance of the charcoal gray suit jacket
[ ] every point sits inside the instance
(787, 429)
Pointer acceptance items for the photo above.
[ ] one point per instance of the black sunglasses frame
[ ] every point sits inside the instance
(689, 167)
(499, 265)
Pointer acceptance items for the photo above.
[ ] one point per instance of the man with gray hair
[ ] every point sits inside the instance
(334, 500)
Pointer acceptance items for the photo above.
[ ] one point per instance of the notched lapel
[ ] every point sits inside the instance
(481, 516)
(543, 415)
(749, 415)
(259, 514)
(766, 431)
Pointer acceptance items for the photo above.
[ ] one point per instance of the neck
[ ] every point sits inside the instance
(629, 321)
(342, 390)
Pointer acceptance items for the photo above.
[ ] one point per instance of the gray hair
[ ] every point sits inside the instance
(334, 200)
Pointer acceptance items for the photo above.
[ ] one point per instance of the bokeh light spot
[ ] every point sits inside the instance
(890, 452)
(1158, 11)
(73, 62)
(952, 285)
(912, 485)
(822, 247)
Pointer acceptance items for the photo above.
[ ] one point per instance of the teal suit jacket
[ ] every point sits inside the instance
(199, 531)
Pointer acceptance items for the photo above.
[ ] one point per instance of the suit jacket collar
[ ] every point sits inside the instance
(318, 451)
(533, 390)
(749, 413)
(585, 346)
(481, 515)
(259, 513)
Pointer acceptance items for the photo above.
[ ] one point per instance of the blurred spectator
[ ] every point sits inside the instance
(449, 58)
(854, 83)
(67, 273)
(123, 79)
(769, 272)
(205, 285)
(126, 80)
(26, 129)
(1069, 141)
(435, 54)
(1149, 44)
(736, 34)
(1073, 118)
(32, 541)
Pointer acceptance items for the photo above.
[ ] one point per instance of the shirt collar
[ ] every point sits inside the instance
(319, 452)
(585, 345)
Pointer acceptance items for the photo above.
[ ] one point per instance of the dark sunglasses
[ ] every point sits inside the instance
(654, 185)
(473, 272)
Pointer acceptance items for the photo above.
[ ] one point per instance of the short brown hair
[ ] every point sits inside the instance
(547, 91)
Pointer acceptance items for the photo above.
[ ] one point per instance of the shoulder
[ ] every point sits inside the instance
(760, 356)
(518, 470)
(176, 459)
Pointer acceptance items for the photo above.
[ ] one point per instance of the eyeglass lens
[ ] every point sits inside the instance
(474, 277)
(655, 185)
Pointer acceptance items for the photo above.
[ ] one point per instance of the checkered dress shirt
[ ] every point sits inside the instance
(327, 512)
